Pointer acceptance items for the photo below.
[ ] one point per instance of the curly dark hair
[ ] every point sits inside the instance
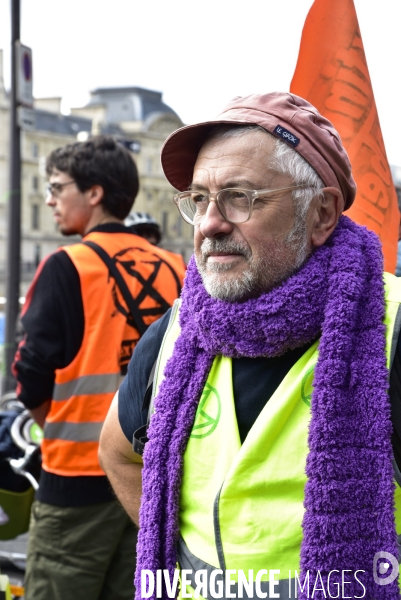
(102, 161)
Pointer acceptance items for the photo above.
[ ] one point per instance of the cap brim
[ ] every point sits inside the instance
(181, 149)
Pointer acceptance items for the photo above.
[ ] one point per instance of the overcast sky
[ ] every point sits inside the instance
(199, 54)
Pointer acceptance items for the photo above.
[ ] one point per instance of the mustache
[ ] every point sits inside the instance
(224, 245)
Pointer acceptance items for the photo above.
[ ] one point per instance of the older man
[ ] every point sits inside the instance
(268, 471)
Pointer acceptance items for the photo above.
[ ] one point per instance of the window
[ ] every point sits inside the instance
(35, 183)
(149, 165)
(35, 150)
(35, 217)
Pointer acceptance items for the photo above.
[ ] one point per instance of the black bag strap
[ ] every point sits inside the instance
(139, 440)
(149, 390)
(120, 281)
(140, 437)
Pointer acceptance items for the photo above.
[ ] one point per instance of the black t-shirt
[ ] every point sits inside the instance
(254, 381)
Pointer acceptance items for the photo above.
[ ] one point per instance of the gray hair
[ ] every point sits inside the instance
(286, 161)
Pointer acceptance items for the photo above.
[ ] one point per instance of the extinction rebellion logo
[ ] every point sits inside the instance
(208, 413)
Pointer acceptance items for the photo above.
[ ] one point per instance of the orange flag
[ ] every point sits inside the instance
(333, 75)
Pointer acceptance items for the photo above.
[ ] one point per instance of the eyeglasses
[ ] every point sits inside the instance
(54, 189)
(234, 204)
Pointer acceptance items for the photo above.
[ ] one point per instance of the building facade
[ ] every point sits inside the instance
(137, 117)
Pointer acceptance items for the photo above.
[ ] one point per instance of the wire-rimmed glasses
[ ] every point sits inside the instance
(234, 204)
(54, 189)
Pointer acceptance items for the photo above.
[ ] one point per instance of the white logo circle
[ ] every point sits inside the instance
(384, 567)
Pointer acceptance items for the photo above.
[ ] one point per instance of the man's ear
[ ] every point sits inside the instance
(326, 213)
(95, 195)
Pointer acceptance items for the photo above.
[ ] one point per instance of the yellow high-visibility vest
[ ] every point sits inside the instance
(241, 505)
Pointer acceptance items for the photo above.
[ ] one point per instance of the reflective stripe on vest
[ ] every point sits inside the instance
(87, 384)
(83, 390)
(241, 507)
(73, 432)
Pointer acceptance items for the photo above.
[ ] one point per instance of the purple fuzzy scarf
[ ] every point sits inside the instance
(338, 294)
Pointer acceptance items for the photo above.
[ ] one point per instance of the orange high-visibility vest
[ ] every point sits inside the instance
(83, 390)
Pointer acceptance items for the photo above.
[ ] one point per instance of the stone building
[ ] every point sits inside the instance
(137, 117)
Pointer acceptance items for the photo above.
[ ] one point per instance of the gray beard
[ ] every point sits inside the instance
(279, 261)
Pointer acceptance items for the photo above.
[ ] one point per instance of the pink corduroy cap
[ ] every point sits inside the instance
(286, 116)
